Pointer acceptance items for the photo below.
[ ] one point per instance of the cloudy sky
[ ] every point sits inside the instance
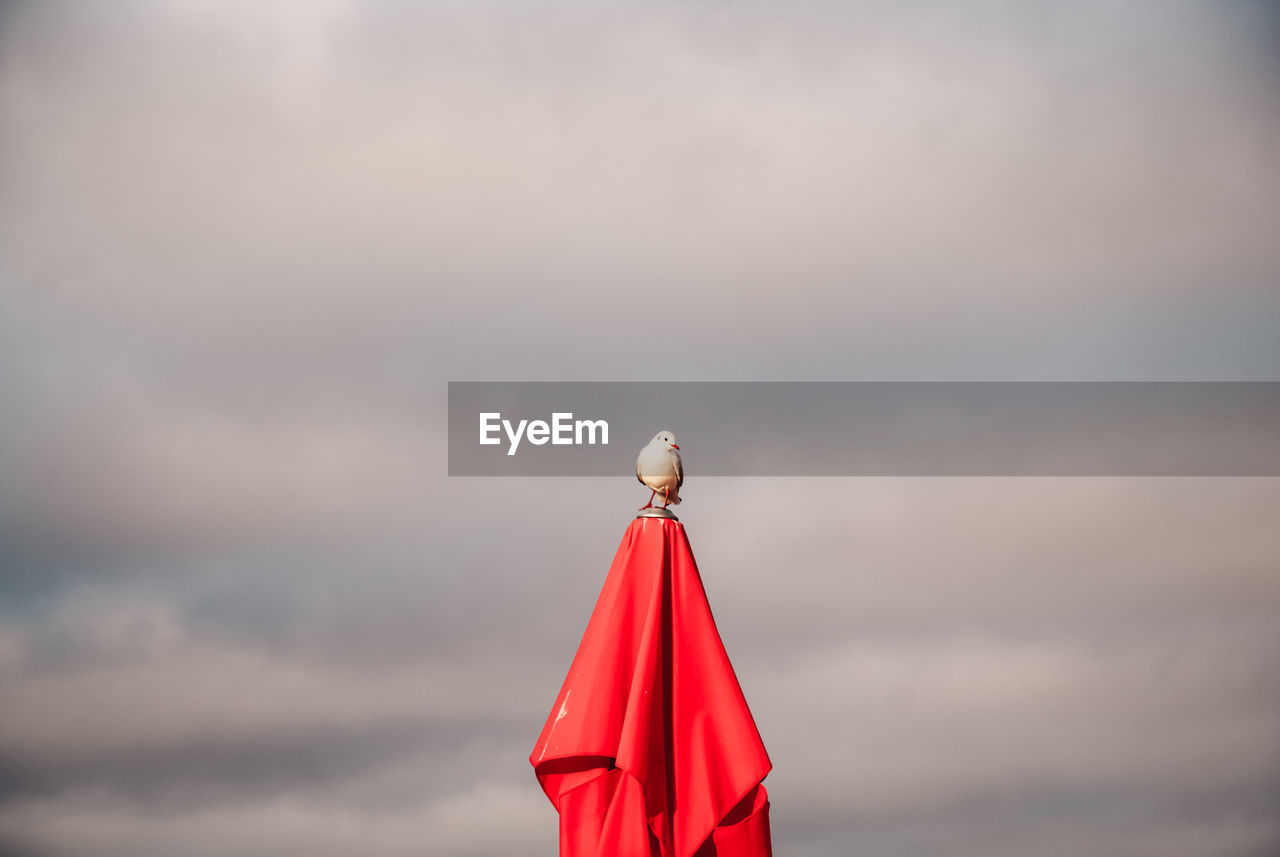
(243, 611)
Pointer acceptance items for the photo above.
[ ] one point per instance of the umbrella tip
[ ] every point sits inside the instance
(657, 512)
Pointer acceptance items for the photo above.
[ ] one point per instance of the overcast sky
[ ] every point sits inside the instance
(243, 611)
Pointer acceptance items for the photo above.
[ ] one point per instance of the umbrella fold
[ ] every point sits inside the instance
(650, 749)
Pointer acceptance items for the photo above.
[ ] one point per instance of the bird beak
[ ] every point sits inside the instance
(675, 446)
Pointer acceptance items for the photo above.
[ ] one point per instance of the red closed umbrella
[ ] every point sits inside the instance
(650, 749)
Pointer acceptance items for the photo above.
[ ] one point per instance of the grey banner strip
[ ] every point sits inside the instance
(869, 428)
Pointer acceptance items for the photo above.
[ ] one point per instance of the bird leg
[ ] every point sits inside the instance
(666, 493)
(649, 505)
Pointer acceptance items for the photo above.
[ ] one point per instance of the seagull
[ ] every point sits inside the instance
(660, 469)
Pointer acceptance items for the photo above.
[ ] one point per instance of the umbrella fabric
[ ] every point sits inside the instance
(650, 749)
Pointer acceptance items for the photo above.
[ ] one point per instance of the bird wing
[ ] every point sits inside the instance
(679, 469)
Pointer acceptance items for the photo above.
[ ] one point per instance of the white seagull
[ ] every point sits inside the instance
(660, 469)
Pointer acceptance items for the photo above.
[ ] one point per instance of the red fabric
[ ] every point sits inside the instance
(650, 749)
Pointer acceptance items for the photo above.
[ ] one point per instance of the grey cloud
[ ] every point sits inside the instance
(978, 190)
(900, 692)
